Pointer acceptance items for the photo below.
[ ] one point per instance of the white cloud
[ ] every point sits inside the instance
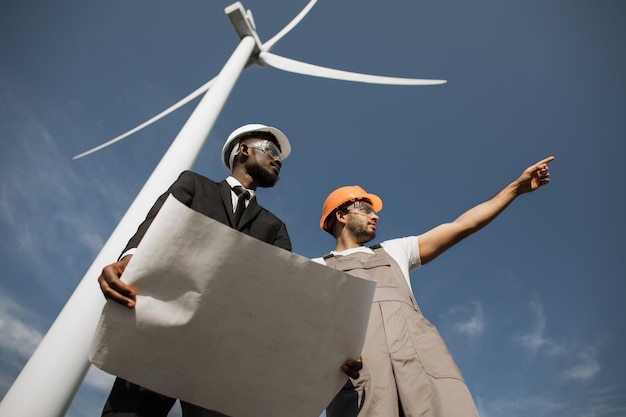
(44, 198)
(21, 336)
(587, 367)
(536, 339)
(472, 323)
(607, 402)
(585, 363)
(19, 327)
(535, 406)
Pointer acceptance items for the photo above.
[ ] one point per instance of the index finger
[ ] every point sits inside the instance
(545, 161)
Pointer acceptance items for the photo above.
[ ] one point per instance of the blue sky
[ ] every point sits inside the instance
(532, 307)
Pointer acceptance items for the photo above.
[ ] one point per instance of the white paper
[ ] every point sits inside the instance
(231, 323)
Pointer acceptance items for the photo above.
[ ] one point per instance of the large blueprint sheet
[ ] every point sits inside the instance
(231, 323)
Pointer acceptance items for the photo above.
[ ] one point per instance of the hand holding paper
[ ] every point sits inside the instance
(113, 287)
(263, 337)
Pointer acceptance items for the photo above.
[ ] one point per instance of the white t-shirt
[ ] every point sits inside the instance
(405, 251)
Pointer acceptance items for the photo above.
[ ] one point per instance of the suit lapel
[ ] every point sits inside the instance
(250, 213)
(227, 200)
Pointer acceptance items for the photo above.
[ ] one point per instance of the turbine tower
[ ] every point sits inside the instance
(55, 370)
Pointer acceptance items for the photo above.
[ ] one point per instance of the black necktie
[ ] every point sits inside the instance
(243, 195)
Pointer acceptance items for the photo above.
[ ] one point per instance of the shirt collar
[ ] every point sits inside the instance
(350, 251)
(233, 182)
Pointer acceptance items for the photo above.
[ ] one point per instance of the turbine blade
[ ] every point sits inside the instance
(159, 116)
(303, 68)
(267, 46)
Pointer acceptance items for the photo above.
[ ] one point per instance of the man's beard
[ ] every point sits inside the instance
(264, 178)
(359, 230)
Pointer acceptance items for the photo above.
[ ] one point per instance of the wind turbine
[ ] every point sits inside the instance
(244, 26)
(58, 365)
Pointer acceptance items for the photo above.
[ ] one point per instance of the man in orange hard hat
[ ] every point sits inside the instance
(407, 368)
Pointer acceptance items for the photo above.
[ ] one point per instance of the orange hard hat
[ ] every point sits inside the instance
(344, 195)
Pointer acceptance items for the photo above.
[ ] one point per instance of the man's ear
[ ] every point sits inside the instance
(339, 220)
(243, 149)
(340, 216)
(244, 153)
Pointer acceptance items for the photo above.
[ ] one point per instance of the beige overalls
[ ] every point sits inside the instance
(407, 368)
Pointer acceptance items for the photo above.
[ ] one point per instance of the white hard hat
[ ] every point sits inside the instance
(233, 139)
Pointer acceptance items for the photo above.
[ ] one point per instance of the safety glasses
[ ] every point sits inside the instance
(360, 205)
(267, 147)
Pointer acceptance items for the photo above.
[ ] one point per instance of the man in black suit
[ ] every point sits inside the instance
(254, 154)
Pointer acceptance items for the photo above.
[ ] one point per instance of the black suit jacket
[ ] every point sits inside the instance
(214, 200)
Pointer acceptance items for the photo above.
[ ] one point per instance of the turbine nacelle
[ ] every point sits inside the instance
(243, 23)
